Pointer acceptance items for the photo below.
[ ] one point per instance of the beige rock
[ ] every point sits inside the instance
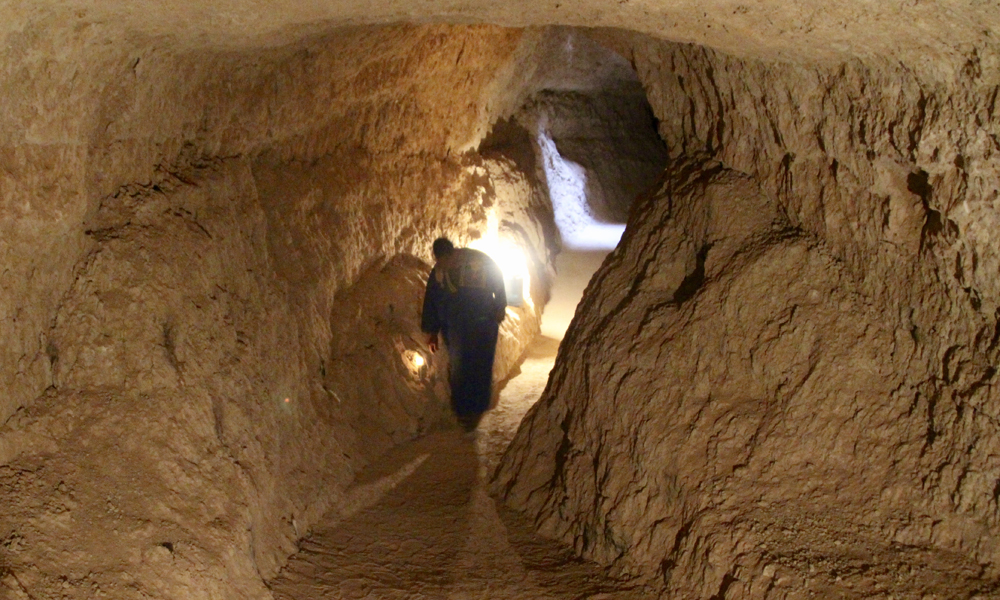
(232, 333)
(195, 199)
(781, 365)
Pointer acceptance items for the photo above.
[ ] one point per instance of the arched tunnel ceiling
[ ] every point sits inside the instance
(916, 32)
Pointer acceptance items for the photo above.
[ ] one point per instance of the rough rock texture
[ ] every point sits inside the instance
(214, 322)
(587, 101)
(781, 383)
(925, 34)
(188, 188)
(612, 137)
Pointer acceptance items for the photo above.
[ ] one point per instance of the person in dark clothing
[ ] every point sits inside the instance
(465, 303)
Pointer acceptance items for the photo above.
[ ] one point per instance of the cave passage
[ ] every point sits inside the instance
(216, 226)
(597, 150)
(422, 523)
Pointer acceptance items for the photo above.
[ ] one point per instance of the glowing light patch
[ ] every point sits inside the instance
(567, 183)
(287, 400)
(414, 361)
(510, 257)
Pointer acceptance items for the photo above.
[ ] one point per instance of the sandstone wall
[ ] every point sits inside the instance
(188, 201)
(613, 137)
(781, 383)
(588, 100)
(213, 266)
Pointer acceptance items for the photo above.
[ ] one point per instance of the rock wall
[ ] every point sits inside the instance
(587, 99)
(612, 136)
(781, 382)
(194, 211)
(213, 265)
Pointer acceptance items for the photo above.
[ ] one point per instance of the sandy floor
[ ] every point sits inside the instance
(430, 529)
(426, 527)
(574, 270)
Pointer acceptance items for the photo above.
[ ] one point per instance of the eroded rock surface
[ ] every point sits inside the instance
(753, 390)
(612, 137)
(230, 327)
(780, 383)
(189, 193)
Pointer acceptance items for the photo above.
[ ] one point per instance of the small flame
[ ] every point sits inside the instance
(418, 360)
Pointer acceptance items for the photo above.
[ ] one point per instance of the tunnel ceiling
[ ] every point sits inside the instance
(919, 33)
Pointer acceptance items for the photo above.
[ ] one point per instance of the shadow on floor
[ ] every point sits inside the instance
(436, 534)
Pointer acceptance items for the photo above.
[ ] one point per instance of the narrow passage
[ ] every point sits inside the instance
(431, 530)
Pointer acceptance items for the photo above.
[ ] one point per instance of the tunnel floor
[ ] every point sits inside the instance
(427, 527)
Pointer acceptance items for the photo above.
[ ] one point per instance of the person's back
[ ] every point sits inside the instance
(475, 286)
(465, 301)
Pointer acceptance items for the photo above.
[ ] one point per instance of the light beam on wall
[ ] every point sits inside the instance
(567, 183)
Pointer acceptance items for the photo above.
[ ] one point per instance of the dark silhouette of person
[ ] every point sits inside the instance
(465, 303)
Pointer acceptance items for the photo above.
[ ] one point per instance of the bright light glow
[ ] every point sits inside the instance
(508, 255)
(511, 260)
(287, 400)
(413, 360)
(568, 189)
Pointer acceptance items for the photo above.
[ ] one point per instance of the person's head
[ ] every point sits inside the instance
(443, 248)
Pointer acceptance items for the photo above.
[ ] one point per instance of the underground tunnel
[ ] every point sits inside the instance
(216, 230)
